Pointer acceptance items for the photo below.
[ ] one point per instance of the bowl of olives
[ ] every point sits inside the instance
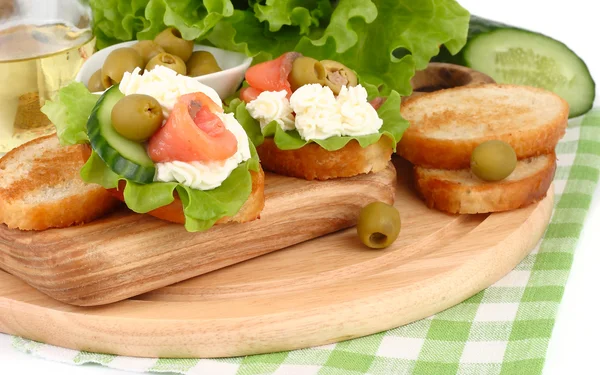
(219, 69)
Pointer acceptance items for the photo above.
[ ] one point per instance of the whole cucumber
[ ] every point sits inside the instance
(514, 55)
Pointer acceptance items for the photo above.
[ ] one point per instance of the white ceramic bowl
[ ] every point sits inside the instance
(225, 82)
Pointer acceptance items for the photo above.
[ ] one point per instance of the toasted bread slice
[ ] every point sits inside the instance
(460, 192)
(249, 211)
(40, 187)
(446, 125)
(312, 162)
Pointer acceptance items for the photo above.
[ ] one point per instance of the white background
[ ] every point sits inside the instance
(574, 346)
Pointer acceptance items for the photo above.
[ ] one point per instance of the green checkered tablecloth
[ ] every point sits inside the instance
(505, 329)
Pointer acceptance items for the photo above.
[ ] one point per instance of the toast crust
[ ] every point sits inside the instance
(510, 114)
(249, 211)
(312, 162)
(44, 164)
(443, 190)
(77, 209)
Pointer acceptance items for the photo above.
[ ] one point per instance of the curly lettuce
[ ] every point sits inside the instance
(69, 113)
(116, 21)
(385, 41)
(304, 14)
(202, 208)
(393, 127)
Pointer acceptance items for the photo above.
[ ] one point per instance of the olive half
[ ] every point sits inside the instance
(378, 225)
(171, 41)
(118, 62)
(170, 61)
(338, 75)
(201, 63)
(306, 70)
(95, 82)
(147, 49)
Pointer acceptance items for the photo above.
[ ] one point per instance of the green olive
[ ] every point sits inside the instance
(306, 70)
(201, 63)
(493, 160)
(147, 49)
(378, 225)
(106, 81)
(338, 75)
(170, 39)
(170, 61)
(118, 62)
(95, 82)
(137, 117)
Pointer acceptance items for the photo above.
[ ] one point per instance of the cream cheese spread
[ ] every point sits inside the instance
(272, 106)
(165, 85)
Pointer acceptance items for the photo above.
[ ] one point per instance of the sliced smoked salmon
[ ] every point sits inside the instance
(272, 75)
(193, 132)
(377, 102)
(248, 94)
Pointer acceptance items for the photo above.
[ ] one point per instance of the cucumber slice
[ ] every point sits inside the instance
(513, 55)
(126, 158)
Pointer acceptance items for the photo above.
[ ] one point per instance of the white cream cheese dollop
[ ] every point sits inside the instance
(358, 115)
(272, 106)
(207, 175)
(319, 114)
(165, 85)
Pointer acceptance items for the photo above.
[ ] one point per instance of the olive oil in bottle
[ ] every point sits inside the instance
(35, 62)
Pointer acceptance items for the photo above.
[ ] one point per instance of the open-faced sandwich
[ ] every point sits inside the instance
(161, 142)
(313, 119)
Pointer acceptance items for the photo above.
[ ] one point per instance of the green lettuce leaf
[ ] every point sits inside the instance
(69, 113)
(385, 41)
(194, 19)
(122, 20)
(202, 208)
(393, 127)
(116, 21)
(301, 13)
(153, 22)
(243, 32)
(270, 27)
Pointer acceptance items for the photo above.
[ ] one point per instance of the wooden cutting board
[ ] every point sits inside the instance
(321, 291)
(126, 254)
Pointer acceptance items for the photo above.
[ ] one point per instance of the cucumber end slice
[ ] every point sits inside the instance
(516, 56)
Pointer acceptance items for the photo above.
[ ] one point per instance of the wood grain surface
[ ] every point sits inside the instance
(126, 254)
(320, 291)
